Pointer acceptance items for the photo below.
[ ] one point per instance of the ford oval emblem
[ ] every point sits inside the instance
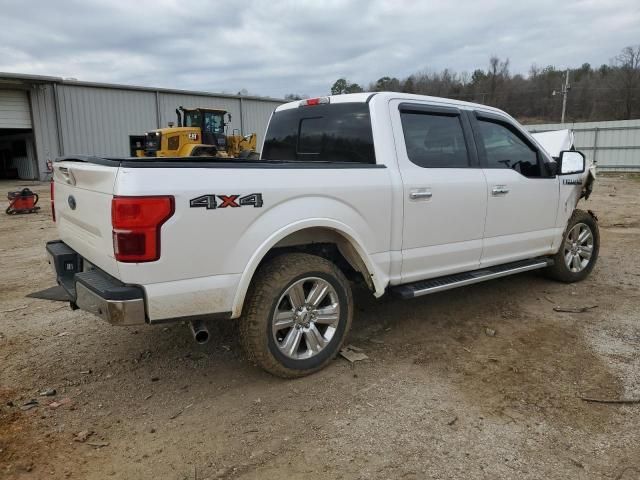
(72, 202)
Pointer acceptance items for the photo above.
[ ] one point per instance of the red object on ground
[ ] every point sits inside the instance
(23, 201)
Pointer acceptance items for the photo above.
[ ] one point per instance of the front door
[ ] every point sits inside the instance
(445, 192)
(522, 195)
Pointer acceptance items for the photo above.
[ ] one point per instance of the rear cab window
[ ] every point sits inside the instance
(338, 132)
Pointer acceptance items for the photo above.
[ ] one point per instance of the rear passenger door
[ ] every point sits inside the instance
(445, 192)
(522, 195)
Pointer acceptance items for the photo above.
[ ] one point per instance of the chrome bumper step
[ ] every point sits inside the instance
(425, 287)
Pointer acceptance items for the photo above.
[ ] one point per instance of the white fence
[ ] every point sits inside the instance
(612, 145)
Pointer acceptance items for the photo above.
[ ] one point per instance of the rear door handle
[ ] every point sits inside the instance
(421, 194)
(499, 190)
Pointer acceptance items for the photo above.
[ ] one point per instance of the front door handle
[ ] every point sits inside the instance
(420, 195)
(499, 190)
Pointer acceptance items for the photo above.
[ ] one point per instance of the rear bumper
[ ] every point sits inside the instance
(95, 291)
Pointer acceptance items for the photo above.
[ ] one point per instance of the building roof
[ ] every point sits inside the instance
(21, 79)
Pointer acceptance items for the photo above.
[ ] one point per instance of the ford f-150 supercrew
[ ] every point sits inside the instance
(407, 194)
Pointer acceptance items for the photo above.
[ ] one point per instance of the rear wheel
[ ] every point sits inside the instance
(579, 250)
(297, 315)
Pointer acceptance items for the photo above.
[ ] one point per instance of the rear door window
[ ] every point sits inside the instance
(326, 133)
(434, 140)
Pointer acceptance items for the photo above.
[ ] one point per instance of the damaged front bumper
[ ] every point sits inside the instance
(95, 291)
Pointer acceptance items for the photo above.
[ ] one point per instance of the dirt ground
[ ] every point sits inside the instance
(439, 396)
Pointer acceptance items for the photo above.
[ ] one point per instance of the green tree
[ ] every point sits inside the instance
(409, 85)
(387, 84)
(342, 85)
(294, 96)
(339, 87)
(478, 76)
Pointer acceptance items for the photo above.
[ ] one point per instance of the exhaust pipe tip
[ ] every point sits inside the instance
(200, 331)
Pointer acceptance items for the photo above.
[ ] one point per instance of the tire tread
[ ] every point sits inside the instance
(558, 271)
(267, 283)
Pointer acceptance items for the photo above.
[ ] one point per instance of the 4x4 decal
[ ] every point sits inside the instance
(211, 202)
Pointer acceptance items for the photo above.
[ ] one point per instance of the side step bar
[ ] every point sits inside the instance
(425, 287)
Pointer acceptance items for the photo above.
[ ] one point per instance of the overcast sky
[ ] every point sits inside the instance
(276, 47)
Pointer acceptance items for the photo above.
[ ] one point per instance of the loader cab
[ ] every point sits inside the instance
(211, 123)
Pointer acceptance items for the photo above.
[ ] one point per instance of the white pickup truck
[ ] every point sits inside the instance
(407, 194)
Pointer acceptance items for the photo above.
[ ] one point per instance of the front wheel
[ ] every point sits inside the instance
(579, 250)
(297, 315)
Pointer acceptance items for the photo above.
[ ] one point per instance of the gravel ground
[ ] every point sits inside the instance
(439, 396)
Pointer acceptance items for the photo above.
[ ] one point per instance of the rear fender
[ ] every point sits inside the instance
(355, 250)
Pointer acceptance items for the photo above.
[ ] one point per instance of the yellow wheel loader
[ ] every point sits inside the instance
(201, 132)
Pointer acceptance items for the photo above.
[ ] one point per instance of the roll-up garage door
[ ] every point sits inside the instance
(14, 109)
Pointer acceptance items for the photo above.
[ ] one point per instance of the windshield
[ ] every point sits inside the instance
(192, 118)
(213, 122)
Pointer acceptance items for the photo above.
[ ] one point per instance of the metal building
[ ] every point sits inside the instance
(613, 145)
(42, 118)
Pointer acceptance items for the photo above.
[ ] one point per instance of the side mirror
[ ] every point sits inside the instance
(571, 162)
(228, 117)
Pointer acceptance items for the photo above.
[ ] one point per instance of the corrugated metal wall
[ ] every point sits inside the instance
(613, 145)
(256, 116)
(45, 129)
(98, 121)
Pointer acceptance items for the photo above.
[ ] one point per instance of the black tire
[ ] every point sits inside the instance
(249, 155)
(265, 296)
(560, 270)
(204, 152)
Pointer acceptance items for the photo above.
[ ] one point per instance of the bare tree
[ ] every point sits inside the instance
(628, 78)
(607, 92)
(498, 73)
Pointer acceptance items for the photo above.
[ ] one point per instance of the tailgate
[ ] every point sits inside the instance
(83, 193)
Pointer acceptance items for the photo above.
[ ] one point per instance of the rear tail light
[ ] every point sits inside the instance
(53, 206)
(314, 101)
(136, 225)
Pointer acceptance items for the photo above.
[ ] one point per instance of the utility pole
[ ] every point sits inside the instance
(565, 90)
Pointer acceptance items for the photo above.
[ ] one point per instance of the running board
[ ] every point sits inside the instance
(425, 287)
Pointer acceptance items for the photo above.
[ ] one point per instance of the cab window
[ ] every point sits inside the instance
(322, 133)
(192, 119)
(434, 140)
(213, 122)
(505, 148)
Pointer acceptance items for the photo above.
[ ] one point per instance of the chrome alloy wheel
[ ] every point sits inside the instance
(306, 318)
(578, 247)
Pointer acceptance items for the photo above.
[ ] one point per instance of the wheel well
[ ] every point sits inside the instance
(326, 243)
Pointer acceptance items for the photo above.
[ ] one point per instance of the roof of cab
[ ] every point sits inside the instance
(367, 96)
